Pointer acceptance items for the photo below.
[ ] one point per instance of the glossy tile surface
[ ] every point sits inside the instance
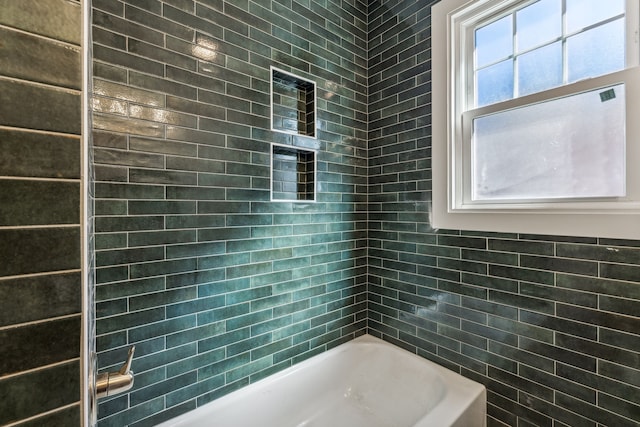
(40, 205)
(540, 320)
(215, 284)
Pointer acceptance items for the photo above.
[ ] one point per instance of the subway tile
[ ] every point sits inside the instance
(196, 108)
(465, 242)
(125, 158)
(112, 123)
(598, 285)
(560, 353)
(159, 268)
(600, 318)
(597, 382)
(124, 59)
(109, 72)
(157, 22)
(128, 191)
(195, 277)
(30, 55)
(128, 93)
(155, 207)
(37, 114)
(529, 275)
(193, 21)
(601, 351)
(32, 154)
(159, 54)
(111, 274)
(304, 262)
(591, 412)
(522, 356)
(129, 320)
(58, 386)
(66, 416)
(151, 176)
(195, 221)
(522, 246)
(112, 21)
(39, 202)
(46, 343)
(162, 328)
(620, 272)
(161, 85)
(162, 116)
(110, 174)
(49, 296)
(557, 324)
(553, 293)
(38, 250)
(561, 265)
(128, 256)
(63, 18)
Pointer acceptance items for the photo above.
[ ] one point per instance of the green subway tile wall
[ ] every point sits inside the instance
(550, 324)
(216, 285)
(40, 206)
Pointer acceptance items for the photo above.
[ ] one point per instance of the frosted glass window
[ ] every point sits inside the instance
(596, 52)
(494, 41)
(495, 83)
(572, 147)
(542, 52)
(584, 13)
(539, 24)
(540, 69)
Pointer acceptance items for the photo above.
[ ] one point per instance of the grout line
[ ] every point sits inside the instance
(38, 322)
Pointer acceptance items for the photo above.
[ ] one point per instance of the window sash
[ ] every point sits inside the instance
(461, 153)
(487, 11)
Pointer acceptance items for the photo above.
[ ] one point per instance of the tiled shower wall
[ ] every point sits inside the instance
(40, 211)
(549, 324)
(216, 285)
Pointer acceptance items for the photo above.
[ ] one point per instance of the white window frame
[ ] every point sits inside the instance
(451, 115)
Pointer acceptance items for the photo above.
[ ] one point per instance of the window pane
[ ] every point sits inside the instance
(582, 13)
(495, 83)
(538, 24)
(494, 42)
(571, 147)
(540, 69)
(596, 52)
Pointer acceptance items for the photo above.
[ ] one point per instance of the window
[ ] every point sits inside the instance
(533, 116)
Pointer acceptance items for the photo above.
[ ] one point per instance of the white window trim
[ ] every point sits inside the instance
(599, 218)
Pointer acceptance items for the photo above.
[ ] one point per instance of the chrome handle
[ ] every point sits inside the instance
(110, 383)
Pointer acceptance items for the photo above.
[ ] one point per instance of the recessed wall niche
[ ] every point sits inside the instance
(293, 174)
(293, 104)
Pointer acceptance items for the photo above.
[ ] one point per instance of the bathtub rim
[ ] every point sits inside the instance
(457, 385)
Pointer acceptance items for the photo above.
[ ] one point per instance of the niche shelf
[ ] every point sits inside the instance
(293, 174)
(293, 104)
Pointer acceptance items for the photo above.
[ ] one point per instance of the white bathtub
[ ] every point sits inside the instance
(363, 383)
